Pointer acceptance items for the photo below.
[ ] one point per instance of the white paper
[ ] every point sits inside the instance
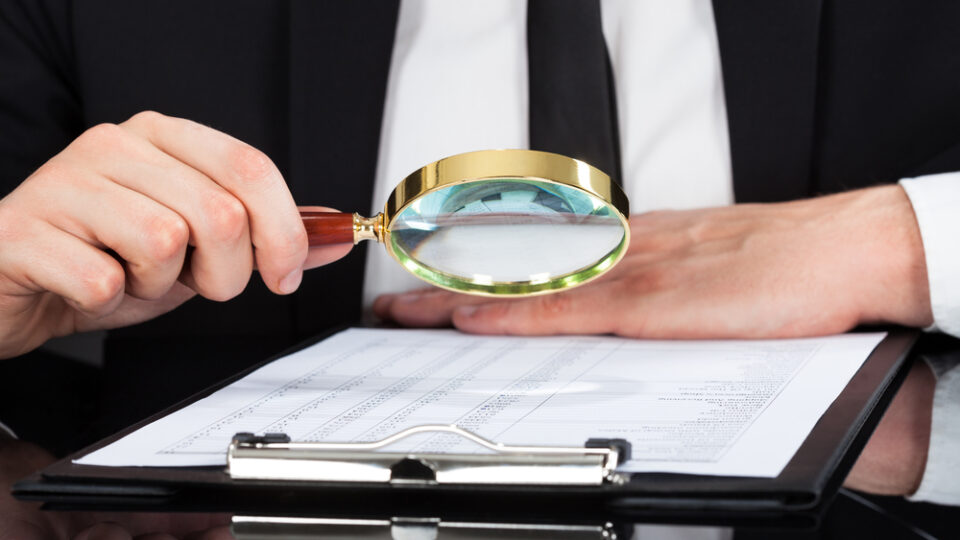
(703, 407)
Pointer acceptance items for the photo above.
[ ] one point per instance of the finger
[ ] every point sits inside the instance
(149, 237)
(220, 267)
(321, 255)
(85, 277)
(104, 531)
(424, 308)
(134, 310)
(381, 305)
(277, 232)
(590, 309)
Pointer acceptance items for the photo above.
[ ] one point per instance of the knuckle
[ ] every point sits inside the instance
(226, 217)
(708, 228)
(249, 165)
(167, 237)
(102, 285)
(147, 118)
(103, 137)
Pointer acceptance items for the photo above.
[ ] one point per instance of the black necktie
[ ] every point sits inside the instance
(572, 101)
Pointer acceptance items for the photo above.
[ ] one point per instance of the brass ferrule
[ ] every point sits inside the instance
(365, 228)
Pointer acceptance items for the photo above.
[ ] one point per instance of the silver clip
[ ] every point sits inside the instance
(274, 457)
(269, 527)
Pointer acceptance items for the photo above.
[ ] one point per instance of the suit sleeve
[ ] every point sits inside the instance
(40, 110)
(935, 199)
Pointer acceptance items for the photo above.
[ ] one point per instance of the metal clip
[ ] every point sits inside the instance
(274, 457)
(268, 527)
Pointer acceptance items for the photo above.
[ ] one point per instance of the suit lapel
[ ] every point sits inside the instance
(768, 52)
(339, 59)
(340, 54)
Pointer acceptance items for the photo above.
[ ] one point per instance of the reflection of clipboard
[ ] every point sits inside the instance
(796, 497)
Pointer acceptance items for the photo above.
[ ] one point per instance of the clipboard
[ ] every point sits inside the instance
(795, 498)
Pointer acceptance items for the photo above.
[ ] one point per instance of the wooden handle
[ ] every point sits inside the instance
(325, 228)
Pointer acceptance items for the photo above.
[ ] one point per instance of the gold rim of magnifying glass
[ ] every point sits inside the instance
(506, 164)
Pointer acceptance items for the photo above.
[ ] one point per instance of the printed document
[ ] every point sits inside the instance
(702, 407)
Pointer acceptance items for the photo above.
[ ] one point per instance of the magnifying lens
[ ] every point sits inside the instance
(495, 223)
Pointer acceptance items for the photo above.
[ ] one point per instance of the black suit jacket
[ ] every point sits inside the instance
(822, 96)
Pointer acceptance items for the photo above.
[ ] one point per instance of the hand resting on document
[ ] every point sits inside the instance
(131, 220)
(802, 268)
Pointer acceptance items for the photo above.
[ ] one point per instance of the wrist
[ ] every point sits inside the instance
(891, 275)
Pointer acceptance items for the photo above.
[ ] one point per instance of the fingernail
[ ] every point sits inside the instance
(291, 282)
(409, 298)
(466, 311)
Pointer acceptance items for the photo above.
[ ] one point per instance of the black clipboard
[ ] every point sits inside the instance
(795, 498)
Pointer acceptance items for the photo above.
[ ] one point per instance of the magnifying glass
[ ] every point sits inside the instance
(495, 223)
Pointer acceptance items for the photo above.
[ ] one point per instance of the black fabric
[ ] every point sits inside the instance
(46, 398)
(768, 52)
(39, 100)
(572, 99)
(339, 54)
(130, 394)
(888, 96)
(827, 96)
(291, 78)
(821, 96)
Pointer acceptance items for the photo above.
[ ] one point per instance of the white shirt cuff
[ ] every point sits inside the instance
(936, 204)
(6, 432)
(941, 478)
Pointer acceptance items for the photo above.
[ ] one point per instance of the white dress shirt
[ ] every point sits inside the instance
(458, 83)
(935, 200)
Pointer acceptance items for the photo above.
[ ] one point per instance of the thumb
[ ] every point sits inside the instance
(321, 255)
(581, 311)
(134, 310)
(326, 254)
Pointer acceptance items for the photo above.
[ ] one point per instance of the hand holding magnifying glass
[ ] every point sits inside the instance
(495, 222)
